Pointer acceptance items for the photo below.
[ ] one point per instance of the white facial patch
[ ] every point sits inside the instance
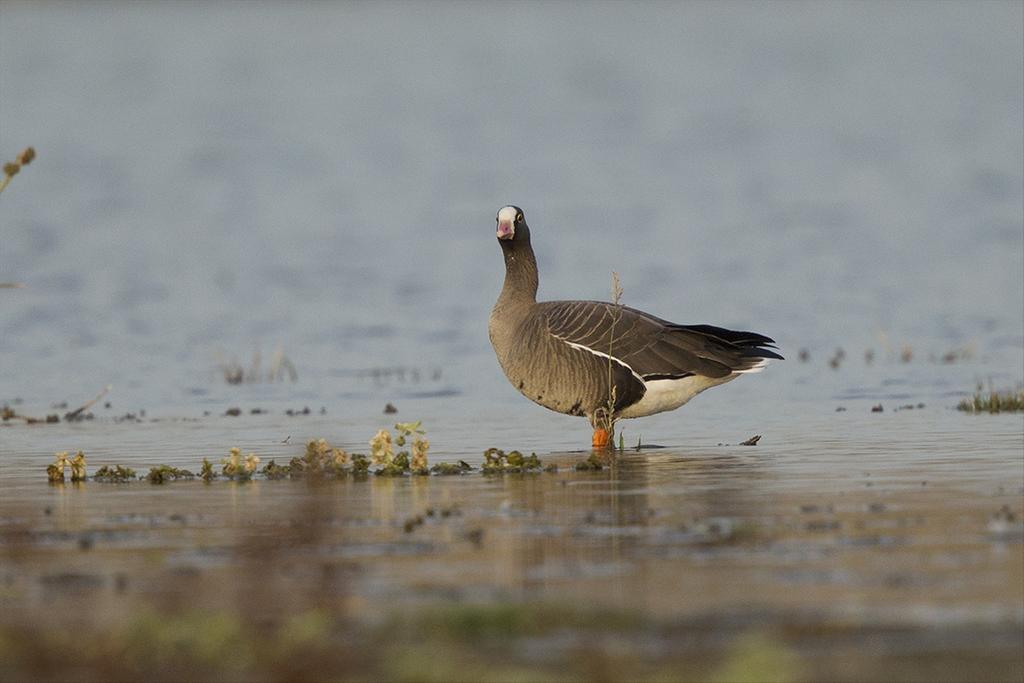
(508, 214)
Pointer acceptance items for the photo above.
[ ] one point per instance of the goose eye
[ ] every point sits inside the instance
(519, 218)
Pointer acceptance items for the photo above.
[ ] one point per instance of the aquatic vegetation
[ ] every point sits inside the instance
(381, 449)
(238, 468)
(55, 472)
(206, 472)
(496, 461)
(420, 446)
(77, 465)
(164, 473)
(115, 474)
(320, 459)
(419, 455)
(360, 464)
(8, 413)
(993, 402)
(280, 366)
(592, 464)
(447, 468)
(274, 471)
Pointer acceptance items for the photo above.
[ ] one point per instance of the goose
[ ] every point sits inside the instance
(604, 361)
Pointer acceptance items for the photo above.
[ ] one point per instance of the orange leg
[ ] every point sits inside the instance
(601, 438)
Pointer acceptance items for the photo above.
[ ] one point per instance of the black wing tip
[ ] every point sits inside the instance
(754, 344)
(760, 352)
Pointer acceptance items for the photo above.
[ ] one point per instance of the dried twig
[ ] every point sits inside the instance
(74, 414)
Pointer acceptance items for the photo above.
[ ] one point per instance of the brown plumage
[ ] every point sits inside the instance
(572, 356)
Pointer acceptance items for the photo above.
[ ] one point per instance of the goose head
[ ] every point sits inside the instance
(512, 228)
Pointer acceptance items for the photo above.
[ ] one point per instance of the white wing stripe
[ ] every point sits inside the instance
(602, 355)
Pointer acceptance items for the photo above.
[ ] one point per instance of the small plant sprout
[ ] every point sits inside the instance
(55, 472)
(206, 471)
(78, 467)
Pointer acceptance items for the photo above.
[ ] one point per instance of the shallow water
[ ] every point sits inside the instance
(322, 180)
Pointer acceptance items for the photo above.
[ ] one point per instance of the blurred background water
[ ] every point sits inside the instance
(219, 178)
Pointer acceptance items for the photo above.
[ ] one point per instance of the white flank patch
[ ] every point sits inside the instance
(602, 355)
(669, 394)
